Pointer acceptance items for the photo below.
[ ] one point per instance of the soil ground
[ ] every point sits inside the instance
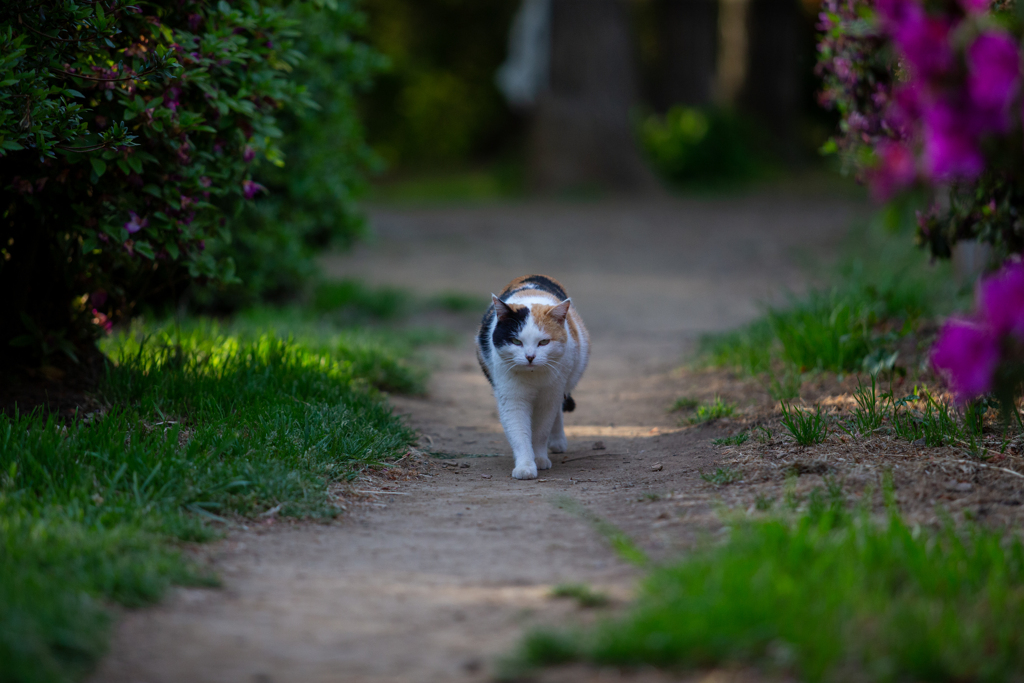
(439, 570)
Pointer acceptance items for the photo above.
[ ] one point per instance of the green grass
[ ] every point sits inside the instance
(735, 440)
(830, 596)
(204, 423)
(353, 301)
(722, 476)
(683, 403)
(806, 427)
(582, 593)
(878, 293)
(706, 412)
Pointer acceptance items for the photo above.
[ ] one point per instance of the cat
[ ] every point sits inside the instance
(533, 348)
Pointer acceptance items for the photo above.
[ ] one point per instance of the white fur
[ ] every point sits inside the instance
(530, 395)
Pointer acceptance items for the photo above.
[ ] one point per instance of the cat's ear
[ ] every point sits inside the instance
(560, 311)
(501, 309)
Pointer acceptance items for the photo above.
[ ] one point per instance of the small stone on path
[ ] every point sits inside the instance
(598, 446)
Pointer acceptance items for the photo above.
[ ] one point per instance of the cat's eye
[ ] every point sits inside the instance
(543, 342)
(517, 342)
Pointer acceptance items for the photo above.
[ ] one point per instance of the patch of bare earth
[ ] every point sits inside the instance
(434, 574)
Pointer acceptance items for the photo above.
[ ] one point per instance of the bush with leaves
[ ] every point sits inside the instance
(929, 91)
(129, 136)
(311, 200)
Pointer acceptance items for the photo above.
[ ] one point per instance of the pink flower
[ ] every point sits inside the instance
(248, 154)
(968, 355)
(896, 170)
(1001, 300)
(950, 145)
(101, 320)
(134, 224)
(250, 189)
(993, 63)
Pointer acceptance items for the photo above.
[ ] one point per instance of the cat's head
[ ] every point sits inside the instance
(530, 336)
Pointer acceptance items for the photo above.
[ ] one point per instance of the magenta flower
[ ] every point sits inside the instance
(248, 154)
(968, 355)
(1001, 300)
(950, 145)
(993, 63)
(975, 6)
(896, 170)
(250, 189)
(134, 224)
(922, 39)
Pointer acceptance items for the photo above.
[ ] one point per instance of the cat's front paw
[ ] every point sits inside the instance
(526, 471)
(560, 445)
(543, 463)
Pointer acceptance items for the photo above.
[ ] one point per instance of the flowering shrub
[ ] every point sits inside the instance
(128, 137)
(929, 92)
(985, 352)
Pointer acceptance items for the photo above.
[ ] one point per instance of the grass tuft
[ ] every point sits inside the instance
(683, 403)
(806, 427)
(722, 476)
(582, 593)
(706, 412)
(735, 440)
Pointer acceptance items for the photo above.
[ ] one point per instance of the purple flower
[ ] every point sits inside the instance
(968, 355)
(248, 154)
(993, 63)
(134, 225)
(923, 40)
(896, 170)
(193, 21)
(205, 182)
(950, 145)
(1001, 300)
(250, 189)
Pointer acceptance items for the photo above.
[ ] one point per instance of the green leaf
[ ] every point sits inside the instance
(145, 249)
(98, 165)
(70, 91)
(135, 162)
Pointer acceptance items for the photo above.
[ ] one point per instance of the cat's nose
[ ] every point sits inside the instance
(529, 359)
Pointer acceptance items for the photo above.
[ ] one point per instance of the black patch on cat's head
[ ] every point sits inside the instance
(541, 282)
(509, 325)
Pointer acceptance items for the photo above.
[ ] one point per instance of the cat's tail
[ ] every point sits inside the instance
(568, 405)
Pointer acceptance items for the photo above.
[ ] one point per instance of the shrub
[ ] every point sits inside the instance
(310, 202)
(929, 95)
(128, 137)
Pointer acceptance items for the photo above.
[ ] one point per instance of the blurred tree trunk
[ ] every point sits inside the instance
(689, 39)
(582, 135)
(772, 88)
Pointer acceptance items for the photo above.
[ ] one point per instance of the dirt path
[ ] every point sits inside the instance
(444, 572)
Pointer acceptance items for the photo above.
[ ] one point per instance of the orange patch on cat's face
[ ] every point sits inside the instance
(548, 323)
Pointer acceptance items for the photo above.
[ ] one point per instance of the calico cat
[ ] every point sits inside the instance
(533, 348)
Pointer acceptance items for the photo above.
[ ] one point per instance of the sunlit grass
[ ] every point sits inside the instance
(203, 423)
